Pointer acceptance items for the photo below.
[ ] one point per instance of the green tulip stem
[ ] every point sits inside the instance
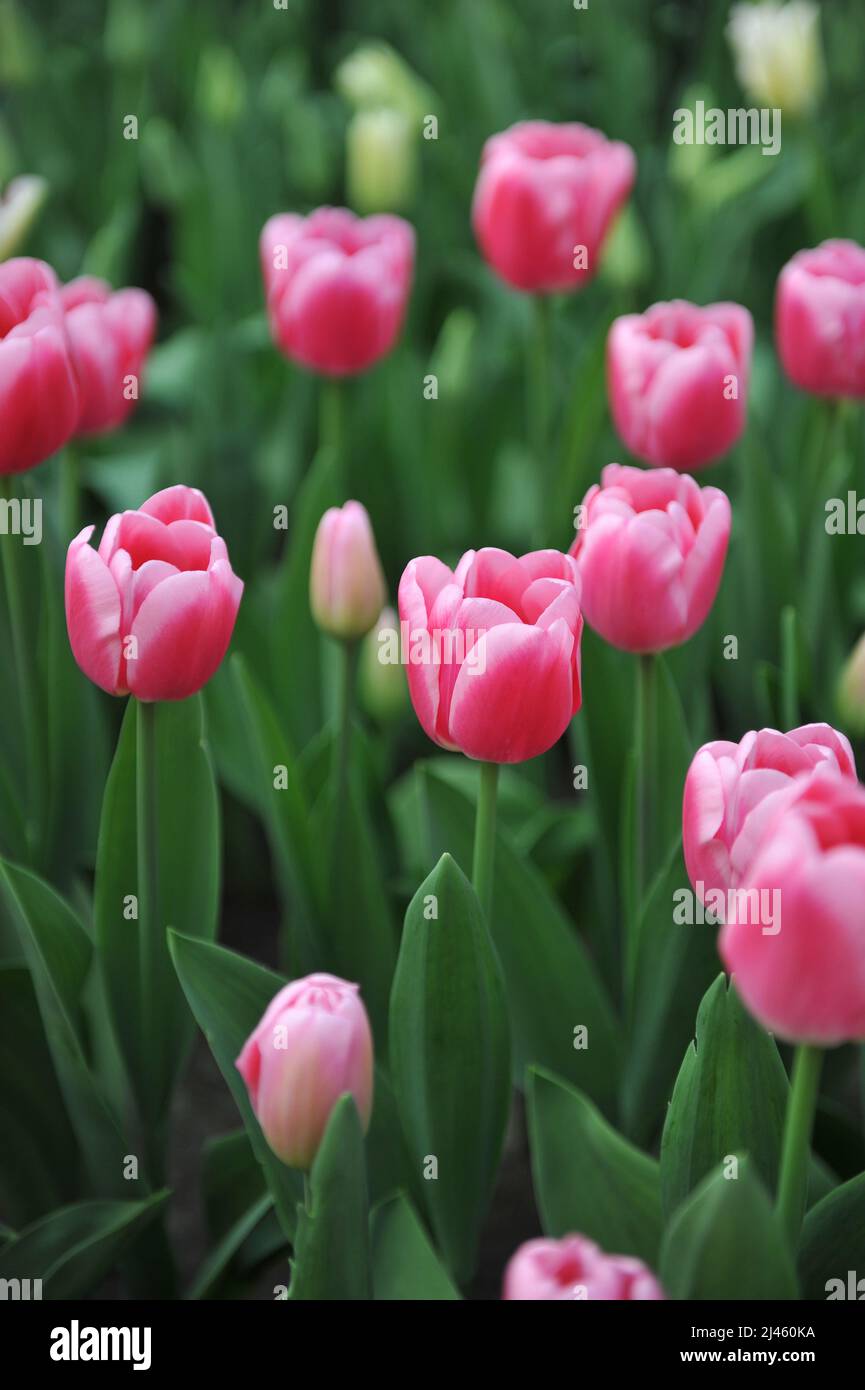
(796, 1147)
(539, 405)
(646, 774)
(485, 836)
(150, 929)
(24, 656)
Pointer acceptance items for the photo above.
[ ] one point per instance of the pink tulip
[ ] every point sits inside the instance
(545, 198)
(573, 1269)
(346, 584)
(38, 395)
(732, 791)
(109, 336)
(820, 319)
(805, 979)
(650, 549)
(151, 611)
(493, 650)
(336, 286)
(677, 378)
(313, 1045)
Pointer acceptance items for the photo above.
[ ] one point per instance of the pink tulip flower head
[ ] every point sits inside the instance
(820, 319)
(677, 378)
(109, 336)
(575, 1269)
(346, 584)
(732, 792)
(803, 976)
(152, 611)
(650, 549)
(545, 198)
(38, 394)
(313, 1045)
(493, 650)
(337, 286)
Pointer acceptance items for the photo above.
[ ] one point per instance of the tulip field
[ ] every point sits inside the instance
(432, 848)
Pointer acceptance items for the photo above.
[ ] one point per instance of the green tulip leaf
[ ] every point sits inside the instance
(587, 1178)
(450, 1057)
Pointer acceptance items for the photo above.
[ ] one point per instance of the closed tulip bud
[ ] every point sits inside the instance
(803, 977)
(337, 286)
(313, 1045)
(152, 611)
(19, 207)
(383, 687)
(677, 378)
(650, 550)
(375, 76)
(493, 650)
(346, 584)
(732, 790)
(851, 689)
(777, 52)
(819, 317)
(109, 338)
(381, 158)
(221, 93)
(544, 200)
(38, 394)
(575, 1269)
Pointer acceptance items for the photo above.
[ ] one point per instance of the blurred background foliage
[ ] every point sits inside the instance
(244, 110)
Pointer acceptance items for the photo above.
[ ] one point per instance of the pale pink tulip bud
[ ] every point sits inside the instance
(346, 584)
(574, 1269)
(313, 1045)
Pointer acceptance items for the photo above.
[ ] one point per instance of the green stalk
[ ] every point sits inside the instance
(70, 494)
(150, 931)
(349, 652)
(539, 403)
(646, 781)
(789, 671)
(485, 836)
(24, 655)
(795, 1153)
(330, 418)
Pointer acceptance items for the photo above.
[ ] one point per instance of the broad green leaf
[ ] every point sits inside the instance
(280, 799)
(331, 1253)
(587, 1178)
(404, 1264)
(228, 995)
(730, 1097)
(725, 1242)
(450, 1056)
(72, 1249)
(221, 1255)
(37, 1157)
(833, 1243)
(58, 952)
(359, 940)
(552, 985)
(188, 854)
(674, 966)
